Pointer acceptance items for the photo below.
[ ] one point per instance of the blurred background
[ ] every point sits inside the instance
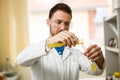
(23, 22)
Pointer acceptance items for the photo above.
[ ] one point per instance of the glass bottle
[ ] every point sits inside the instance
(9, 69)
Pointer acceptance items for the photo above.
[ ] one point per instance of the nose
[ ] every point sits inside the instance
(62, 26)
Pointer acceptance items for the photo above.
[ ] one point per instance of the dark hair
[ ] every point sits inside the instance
(60, 6)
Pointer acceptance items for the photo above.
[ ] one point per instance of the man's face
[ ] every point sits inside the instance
(59, 21)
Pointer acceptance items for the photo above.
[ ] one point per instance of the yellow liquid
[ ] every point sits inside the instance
(93, 67)
(60, 44)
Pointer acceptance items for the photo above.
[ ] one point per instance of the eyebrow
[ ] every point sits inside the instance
(63, 21)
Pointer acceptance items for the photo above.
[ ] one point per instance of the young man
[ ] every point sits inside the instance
(60, 63)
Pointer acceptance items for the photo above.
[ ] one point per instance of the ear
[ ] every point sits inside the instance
(48, 22)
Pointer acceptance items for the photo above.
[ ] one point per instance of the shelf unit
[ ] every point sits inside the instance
(114, 50)
(112, 30)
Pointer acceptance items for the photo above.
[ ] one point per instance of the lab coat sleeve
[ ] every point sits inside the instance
(85, 66)
(31, 54)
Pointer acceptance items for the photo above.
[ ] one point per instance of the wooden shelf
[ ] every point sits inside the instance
(116, 50)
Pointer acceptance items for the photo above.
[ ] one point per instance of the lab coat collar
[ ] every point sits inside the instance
(65, 55)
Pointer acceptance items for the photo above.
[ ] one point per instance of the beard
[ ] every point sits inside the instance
(53, 33)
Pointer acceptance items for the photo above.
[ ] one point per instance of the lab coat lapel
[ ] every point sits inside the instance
(57, 56)
(66, 53)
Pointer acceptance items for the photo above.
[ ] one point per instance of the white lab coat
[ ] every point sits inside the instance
(52, 66)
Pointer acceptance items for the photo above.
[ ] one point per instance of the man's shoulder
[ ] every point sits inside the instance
(36, 44)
